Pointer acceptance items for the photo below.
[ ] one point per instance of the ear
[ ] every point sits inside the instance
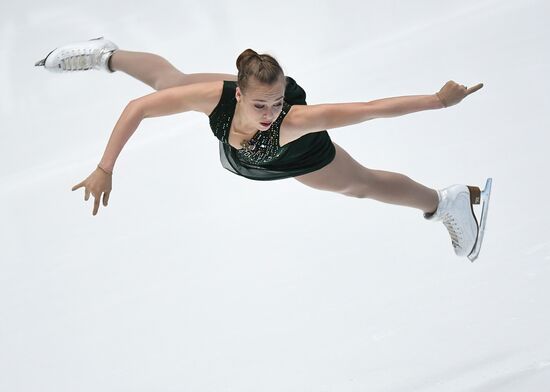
(238, 94)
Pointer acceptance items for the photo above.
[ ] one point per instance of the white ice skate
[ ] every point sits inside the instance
(80, 56)
(456, 211)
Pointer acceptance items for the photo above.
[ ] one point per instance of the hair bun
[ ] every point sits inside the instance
(246, 56)
(263, 68)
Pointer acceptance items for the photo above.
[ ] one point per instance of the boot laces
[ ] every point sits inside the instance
(453, 229)
(80, 60)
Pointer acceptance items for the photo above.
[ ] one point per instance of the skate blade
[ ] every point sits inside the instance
(42, 62)
(486, 196)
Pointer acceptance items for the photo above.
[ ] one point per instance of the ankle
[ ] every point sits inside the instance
(434, 204)
(109, 63)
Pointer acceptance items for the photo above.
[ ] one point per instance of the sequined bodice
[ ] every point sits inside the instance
(263, 147)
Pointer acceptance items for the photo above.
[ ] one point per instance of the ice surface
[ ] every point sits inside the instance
(199, 280)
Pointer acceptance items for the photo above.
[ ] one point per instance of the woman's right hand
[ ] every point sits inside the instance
(97, 183)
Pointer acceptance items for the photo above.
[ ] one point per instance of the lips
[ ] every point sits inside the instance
(266, 124)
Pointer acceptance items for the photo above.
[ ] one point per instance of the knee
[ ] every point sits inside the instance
(361, 191)
(364, 184)
(158, 85)
(169, 79)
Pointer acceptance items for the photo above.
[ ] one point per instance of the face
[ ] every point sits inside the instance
(262, 103)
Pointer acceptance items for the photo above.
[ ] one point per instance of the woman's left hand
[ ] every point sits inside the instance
(452, 93)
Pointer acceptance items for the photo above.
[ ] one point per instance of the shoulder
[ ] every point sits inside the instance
(209, 95)
(293, 113)
(291, 127)
(202, 97)
(294, 93)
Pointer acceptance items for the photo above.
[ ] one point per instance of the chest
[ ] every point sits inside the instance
(281, 138)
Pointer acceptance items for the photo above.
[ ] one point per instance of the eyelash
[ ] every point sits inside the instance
(261, 106)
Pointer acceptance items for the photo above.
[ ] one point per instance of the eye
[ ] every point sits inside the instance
(261, 106)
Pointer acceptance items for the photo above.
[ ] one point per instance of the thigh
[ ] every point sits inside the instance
(343, 175)
(207, 77)
(173, 78)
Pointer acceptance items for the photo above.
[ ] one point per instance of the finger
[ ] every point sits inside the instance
(96, 205)
(106, 198)
(86, 194)
(79, 185)
(474, 89)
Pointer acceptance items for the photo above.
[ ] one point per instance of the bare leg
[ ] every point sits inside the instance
(157, 72)
(347, 176)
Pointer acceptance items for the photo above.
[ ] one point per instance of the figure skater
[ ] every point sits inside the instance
(267, 131)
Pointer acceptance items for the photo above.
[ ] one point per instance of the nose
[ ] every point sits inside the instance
(269, 114)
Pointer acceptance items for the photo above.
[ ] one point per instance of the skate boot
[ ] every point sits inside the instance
(80, 56)
(456, 211)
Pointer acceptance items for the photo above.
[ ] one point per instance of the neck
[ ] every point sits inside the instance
(238, 127)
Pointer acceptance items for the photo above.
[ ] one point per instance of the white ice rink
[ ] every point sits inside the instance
(195, 279)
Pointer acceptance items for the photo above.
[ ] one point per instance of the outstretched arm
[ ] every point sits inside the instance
(168, 101)
(194, 97)
(315, 118)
